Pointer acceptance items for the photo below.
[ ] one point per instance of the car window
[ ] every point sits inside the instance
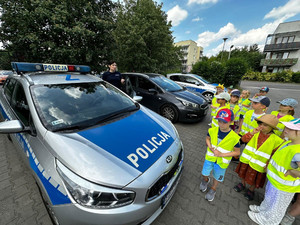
(175, 78)
(191, 80)
(63, 106)
(8, 88)
(166, 83)
(145, 84)
(201, 78)
(19, 104)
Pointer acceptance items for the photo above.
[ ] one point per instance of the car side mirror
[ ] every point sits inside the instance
(153, 91)
(137, 98)
(11, 126)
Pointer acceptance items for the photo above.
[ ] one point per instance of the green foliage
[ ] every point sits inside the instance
(65, 31)
(203, 69)
(235, 68)
(283, 76)
(144, 38)
(217, 70)
(296, 77)
(5, 60)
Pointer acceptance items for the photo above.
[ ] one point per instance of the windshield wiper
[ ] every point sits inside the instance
(70, 128)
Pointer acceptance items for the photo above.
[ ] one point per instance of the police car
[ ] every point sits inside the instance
(195, 84)
(98, 156)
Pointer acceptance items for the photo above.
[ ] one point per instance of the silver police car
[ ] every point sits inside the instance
(97, 155)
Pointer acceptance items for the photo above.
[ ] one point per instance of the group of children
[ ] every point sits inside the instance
(271, 152)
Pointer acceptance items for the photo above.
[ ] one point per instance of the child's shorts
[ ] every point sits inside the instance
(218, 172)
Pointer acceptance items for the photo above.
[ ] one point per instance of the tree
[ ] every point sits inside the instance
(143, 37)
(234, 70)
(65, 31)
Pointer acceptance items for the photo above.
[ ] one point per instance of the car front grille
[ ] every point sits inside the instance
(204, 106)
(157, 188)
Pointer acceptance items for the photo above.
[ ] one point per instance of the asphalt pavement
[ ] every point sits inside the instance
(20, 201)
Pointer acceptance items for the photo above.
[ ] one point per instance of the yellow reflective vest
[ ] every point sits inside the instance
(225, 146)
(214, 122)
(242, 102)
(236, 110)
(258, 158)
(280, 126)
(215, 104)
(249, 125)
(278, 166)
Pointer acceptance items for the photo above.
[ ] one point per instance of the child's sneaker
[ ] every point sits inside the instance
(254, 208)
(249, 195)
(203, 184)
(287, 219)
(210, 195)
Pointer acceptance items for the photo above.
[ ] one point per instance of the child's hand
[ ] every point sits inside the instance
(217, 153)
(256, 130)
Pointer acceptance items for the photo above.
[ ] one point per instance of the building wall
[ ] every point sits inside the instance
(283, 48)
(191, 54)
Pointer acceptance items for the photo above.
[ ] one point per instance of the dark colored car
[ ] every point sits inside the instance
(167, 98)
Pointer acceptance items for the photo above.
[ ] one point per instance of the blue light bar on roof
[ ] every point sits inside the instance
(35, 67)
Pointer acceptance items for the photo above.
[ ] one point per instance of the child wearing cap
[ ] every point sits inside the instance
(285, 113)
(261, 142)
(283, 173)
(214, 104)
(222, 99)
(222, 145)
(262, 92)
(234, 106)
(259, 104)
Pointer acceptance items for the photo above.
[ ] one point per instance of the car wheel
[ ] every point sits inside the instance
(53, 218)
(209, 96)
(169, 112)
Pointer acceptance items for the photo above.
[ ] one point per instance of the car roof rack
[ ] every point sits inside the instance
(23, 67)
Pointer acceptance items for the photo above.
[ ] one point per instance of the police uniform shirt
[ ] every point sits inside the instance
(113, 78)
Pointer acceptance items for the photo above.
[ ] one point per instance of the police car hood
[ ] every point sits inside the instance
(116, 153)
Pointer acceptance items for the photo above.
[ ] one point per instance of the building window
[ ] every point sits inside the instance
(275, 70)
(278, 40)
(279, 55)
(268, 56)
(269, 39)
(285, 55)
(285, 39)
(291, 39)
(274, 56)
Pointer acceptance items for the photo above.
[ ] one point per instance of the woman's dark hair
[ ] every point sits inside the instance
(111, 62)
(291, 112)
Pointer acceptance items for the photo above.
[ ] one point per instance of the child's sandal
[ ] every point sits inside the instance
(239, 187)
(249, 195)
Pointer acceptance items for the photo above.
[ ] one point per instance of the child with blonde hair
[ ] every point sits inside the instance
(285, 113)
(214, 104)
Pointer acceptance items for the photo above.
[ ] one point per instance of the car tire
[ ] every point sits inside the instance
(9, 137)
(208, 95)
(170, 112)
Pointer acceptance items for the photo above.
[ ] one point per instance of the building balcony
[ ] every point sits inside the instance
(282, 47)
(278, 62)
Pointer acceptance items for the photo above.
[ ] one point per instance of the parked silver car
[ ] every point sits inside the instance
(98, 156)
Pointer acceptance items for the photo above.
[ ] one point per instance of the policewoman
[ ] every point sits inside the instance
(283, 173)
(113, 76)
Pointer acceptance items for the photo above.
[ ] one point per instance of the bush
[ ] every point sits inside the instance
(235, 68)
(296, 77)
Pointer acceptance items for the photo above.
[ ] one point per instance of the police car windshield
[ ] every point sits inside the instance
(78, 106)
(201, 78)
(166, 84)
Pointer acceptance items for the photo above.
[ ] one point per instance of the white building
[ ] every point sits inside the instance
(283, 48)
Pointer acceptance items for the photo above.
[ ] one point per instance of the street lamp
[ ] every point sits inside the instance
(224, 39)
(230, 51)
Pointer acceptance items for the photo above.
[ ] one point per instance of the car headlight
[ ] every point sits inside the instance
(188, 103)
(93, 195)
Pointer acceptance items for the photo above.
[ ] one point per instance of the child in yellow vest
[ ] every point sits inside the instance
(214, 104)
(223, 101)
(261, 142)
(258, 105)
(244, 104)
(222, 145)
(234, 106)
(283, 173)
(285, 113)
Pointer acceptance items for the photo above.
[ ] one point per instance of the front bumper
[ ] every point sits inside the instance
(191, 115)
(140, 211)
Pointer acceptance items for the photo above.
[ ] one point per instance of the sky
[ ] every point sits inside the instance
(243, 22)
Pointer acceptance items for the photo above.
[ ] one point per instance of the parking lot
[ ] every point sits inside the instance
(20, 202)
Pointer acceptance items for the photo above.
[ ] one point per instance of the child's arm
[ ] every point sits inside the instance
(293, 173)
(208, 143)
(235, 152)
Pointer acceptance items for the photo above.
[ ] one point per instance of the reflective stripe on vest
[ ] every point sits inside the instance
(225, 146)
(257, 158)
(279, 165)
(249, 125)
